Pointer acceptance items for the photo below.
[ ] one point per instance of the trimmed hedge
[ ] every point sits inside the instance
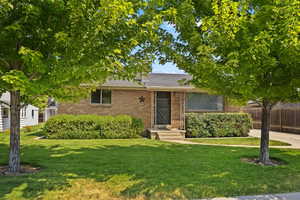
(93, 127)
(218, 125)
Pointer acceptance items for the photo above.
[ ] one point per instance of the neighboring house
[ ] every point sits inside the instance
(49, 111)
(159, 99)
(28, 114)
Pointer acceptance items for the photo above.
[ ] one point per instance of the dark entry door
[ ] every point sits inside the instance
(163, 108)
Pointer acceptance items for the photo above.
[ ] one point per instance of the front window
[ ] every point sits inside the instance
(101, 97)
(23, 112)
(203, 102)
(4, 112)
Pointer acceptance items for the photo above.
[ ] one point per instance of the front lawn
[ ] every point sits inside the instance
(143, 169)
(251, 141)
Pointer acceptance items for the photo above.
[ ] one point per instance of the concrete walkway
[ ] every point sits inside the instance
(286, 196)
(293, 139)
(290, 138)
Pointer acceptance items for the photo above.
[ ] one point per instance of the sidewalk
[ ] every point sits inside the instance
(290, 138)
(293, 139)
(285, 196)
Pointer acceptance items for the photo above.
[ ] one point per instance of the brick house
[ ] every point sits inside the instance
(158, 99)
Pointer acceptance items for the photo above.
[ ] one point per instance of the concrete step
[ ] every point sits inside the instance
(169, 134)
(169, 137)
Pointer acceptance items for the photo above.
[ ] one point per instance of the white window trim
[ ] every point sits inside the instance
(23, 112)
(101, 90)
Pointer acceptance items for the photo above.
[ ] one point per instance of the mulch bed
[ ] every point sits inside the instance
(25, 169)
(274, 162)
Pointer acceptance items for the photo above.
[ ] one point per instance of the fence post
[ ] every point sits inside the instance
(295, 121)
(280, 119)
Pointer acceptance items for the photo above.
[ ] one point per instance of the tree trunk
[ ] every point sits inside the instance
(14, 154)
(265, 128)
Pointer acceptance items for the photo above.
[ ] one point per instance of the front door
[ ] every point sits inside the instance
(163, 108)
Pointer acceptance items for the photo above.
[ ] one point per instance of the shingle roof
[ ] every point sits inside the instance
(167, 80)
(123, 83)
(154, 80)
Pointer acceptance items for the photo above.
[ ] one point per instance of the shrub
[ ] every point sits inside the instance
(93, 127)
(138, 125)
(32, 128)
(27, 129)
(7, 131)
(218, 125)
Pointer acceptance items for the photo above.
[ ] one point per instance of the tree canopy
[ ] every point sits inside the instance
(245, 50)
(49, 47)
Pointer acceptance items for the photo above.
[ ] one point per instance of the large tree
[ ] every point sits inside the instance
(246, 50)
(50, 47)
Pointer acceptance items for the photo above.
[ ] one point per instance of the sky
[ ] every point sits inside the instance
(168, 67)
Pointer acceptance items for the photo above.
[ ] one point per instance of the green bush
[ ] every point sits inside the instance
(93, 127)
(7, 131)
(32, 128)
(138, 125)
(218, 125)
(27, 129)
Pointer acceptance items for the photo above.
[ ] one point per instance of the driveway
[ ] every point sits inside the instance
(293, 139)
(286, 196)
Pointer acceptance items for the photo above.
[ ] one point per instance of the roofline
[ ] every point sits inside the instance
(156, 88)
(122, 87)
(170, 74)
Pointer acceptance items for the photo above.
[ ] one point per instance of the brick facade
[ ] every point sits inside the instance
(177, 110)
(122, 102)
(128, 102)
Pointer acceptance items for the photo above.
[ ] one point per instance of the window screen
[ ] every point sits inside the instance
(101, 97)
(106, 97)
(202, 101)
(96, 96)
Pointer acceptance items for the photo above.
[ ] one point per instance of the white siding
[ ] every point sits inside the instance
(5, 97)
(1, 121)
(49, 112)
(6, 123)
(29, 119)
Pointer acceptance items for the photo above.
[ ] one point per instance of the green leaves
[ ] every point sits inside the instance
(241, 49)
(14, 80)
(32, 61)
(51, 47)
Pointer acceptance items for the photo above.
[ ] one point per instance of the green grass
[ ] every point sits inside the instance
(236, 141)
(143, 169)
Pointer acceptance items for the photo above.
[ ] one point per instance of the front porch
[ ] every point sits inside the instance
(168, 110)
(165, 134)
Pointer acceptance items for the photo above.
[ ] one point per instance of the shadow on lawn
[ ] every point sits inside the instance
(160, 171)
